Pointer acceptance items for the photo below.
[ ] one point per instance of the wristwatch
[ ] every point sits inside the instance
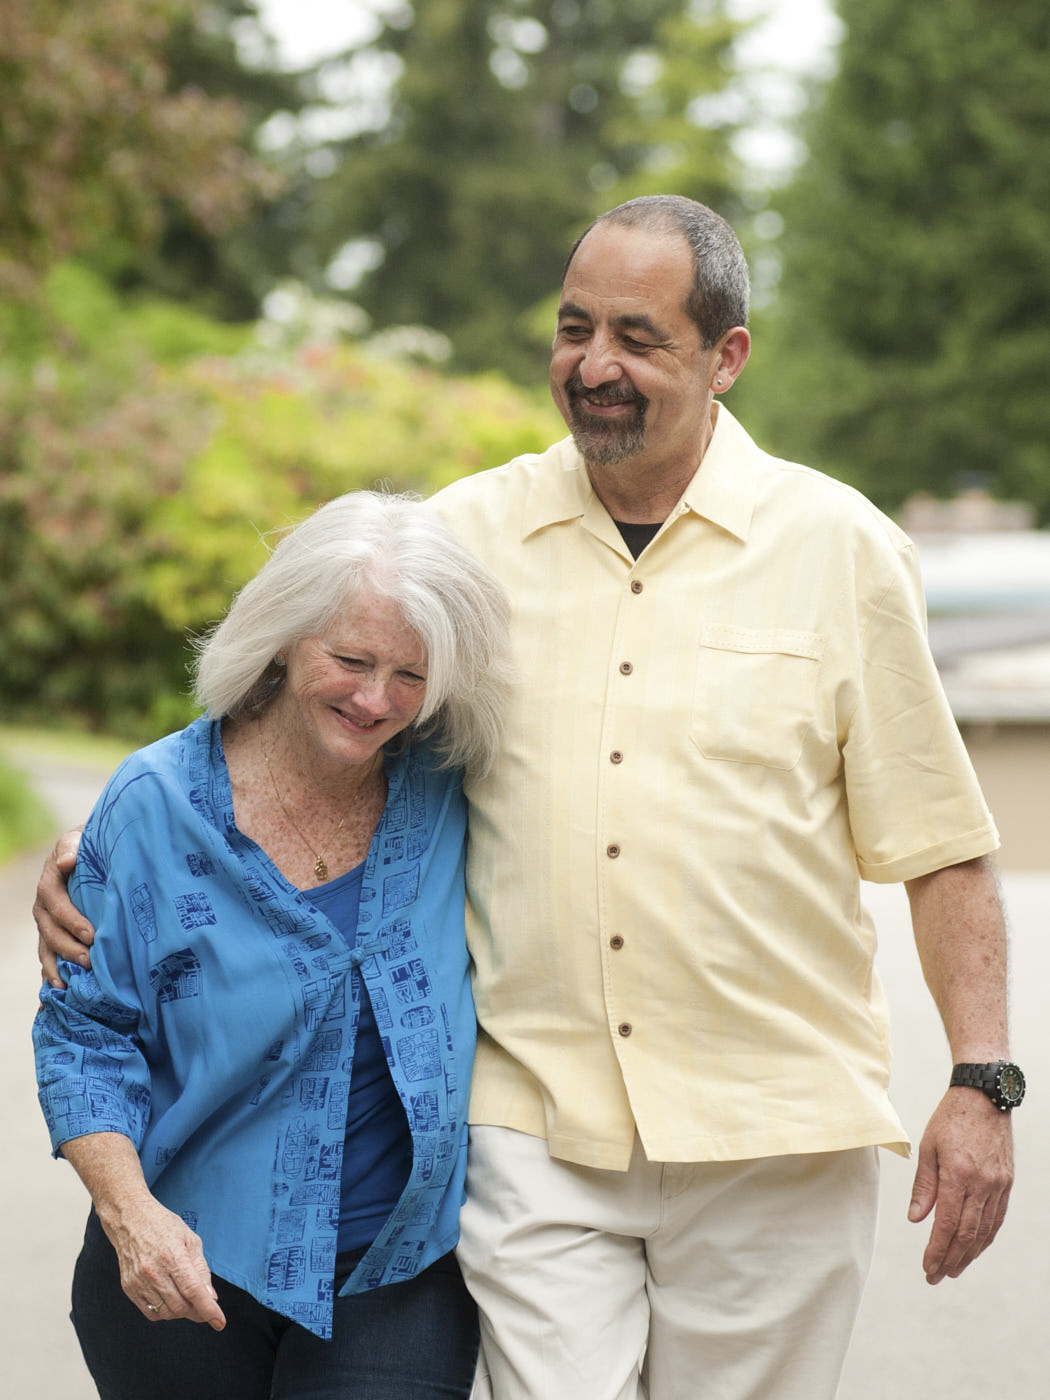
(1002, 1081)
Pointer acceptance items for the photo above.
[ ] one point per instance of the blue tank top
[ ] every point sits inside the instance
(377, 1154)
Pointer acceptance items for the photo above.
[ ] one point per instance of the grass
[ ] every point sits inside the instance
(18, 743)
(24, 819)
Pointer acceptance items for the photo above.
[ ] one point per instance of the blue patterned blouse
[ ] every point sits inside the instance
(216, 1029)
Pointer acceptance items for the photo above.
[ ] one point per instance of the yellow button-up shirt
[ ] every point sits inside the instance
(705, 751)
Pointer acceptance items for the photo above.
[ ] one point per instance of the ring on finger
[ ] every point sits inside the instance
(154, 1307)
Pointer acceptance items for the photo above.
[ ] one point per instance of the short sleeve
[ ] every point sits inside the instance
(914, 801)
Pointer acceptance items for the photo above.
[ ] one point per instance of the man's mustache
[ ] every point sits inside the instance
(605, 393)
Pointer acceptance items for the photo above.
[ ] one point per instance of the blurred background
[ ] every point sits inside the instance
(254, 253)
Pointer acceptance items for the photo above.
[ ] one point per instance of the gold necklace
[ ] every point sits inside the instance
(320, 865)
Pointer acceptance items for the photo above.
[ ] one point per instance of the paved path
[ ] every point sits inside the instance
(981, 1337)
(42, 1202)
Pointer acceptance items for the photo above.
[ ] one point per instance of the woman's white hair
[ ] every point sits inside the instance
(368, 542)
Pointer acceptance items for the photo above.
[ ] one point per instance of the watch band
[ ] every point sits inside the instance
(974, 1076)
(1001, 1080)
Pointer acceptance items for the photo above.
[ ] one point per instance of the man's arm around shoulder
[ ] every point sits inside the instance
(63, 931)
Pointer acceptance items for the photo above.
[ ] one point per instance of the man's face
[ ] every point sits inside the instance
(629, 373)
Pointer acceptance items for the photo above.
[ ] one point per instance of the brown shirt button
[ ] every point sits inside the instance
(612, 852)
(616, 756)
(626, 667)
(637, 585)
(625, 1028)
(616, 942)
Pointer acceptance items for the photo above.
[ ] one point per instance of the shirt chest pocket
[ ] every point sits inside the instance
(755, 694)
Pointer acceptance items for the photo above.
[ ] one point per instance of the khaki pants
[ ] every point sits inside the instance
(717, 1280)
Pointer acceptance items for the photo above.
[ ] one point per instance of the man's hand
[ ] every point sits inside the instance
(63, 930)
(965, 1170)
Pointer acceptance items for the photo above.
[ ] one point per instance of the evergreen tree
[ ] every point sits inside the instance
(913, 330)
(513, 122)
(227, 271)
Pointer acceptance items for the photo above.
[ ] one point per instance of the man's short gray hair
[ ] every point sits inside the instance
(368, 542)
(721, 288)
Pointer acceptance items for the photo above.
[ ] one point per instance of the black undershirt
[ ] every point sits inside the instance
(636, 537)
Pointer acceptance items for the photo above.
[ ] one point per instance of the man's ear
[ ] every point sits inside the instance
(731, 356)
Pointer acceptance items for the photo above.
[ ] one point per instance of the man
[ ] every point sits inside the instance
(726, 715)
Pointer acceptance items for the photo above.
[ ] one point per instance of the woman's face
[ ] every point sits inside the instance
(352, 689)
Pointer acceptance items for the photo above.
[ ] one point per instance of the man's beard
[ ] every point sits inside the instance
(605, 441)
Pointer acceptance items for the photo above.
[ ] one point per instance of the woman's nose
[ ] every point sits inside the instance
(371, 693)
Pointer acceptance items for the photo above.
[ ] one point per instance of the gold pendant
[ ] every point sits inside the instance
(320, 869)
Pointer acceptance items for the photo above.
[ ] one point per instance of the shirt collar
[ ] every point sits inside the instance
(560, 491)
(725, 485)
(723, 489)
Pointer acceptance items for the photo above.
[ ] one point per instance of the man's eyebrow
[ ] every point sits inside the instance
(640, 323)
(572, 311)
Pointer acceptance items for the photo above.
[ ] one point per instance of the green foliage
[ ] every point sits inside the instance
(147, 448)
(137, 484)
(512, 125)
(913, 331)
(679, 117)
(26, 746)
(290, 432)
(130, 138)
(91, 433)
(225, 270)
(104, 147)
(24, 820)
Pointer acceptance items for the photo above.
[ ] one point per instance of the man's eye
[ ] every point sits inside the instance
(573, 332)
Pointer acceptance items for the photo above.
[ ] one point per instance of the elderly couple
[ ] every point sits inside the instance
(717, 713)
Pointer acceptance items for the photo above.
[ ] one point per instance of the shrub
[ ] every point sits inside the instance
(144, 455)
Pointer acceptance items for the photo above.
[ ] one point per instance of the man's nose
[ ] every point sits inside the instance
(600, 362)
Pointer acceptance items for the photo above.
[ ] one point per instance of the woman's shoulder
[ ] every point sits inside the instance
(152, 785)
(169, 762)
(425, 796)
(424, 764)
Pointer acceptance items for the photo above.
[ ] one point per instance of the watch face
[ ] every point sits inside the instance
(1011, 1084)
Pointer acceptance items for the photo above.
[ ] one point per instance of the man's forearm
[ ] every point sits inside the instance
(960, 932)
(965, 1164)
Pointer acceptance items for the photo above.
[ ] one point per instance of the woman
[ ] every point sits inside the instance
(262, 1080)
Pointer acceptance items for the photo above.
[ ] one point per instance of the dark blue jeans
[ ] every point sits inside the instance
(416, 1340)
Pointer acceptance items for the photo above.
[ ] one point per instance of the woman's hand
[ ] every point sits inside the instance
(162, 1266)
(63, 930)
